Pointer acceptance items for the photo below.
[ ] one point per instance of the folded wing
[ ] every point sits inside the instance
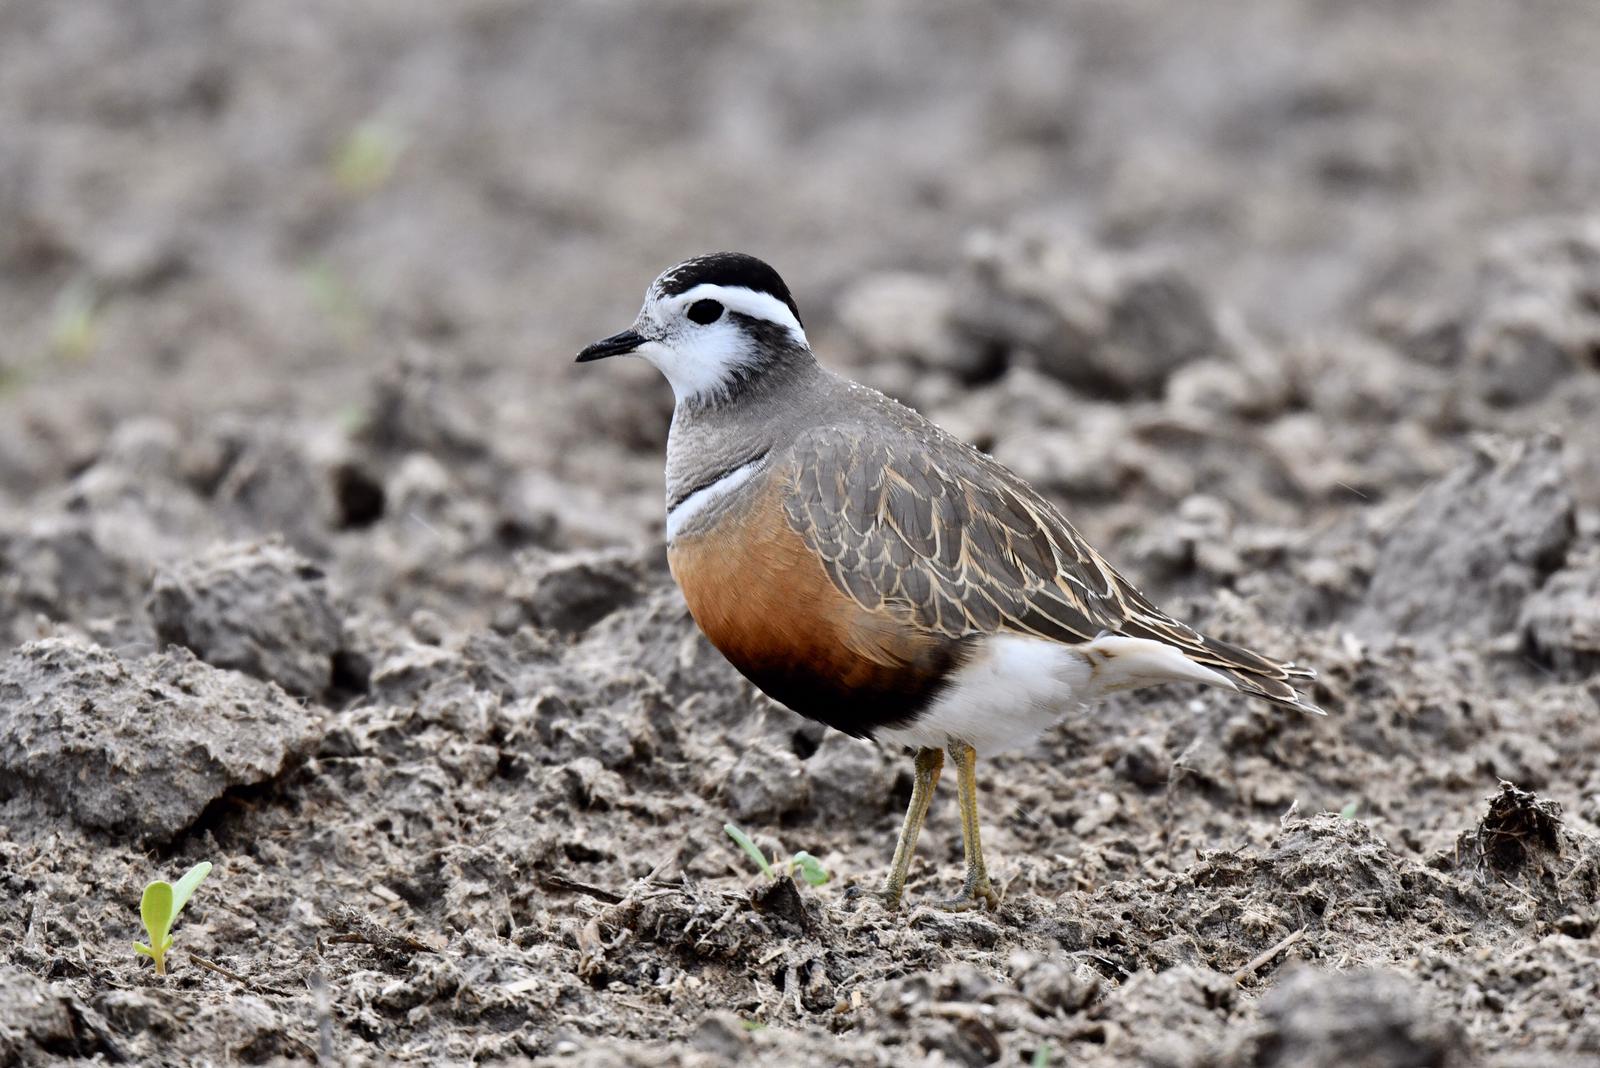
(960, 546)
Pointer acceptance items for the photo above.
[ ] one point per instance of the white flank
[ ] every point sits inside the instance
(1012, 690)
(707, 496)
(1016, 687)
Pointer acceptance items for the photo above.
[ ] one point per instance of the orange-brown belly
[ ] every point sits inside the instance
(765, 601)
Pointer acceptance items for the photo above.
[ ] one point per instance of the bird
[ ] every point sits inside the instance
(869, 570)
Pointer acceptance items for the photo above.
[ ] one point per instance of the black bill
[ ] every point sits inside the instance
(615, 345)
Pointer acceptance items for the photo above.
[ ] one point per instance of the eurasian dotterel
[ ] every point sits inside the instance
(868, 570)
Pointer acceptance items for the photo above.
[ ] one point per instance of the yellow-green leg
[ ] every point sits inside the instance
(977, 890)
(929, 763)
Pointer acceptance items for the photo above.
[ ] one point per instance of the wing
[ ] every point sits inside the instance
(957, 544)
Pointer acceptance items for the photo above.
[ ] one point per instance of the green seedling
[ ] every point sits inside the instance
(1349, 811)
(366, 159)
(802, 863)
(353, 419)
(74, 321)
(159, 909)
(337, 300)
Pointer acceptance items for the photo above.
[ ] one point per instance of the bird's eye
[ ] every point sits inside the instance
(705, 311)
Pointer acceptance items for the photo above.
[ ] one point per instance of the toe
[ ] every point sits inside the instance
(978, 897)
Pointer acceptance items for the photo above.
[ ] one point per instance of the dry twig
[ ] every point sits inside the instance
(1265, 957)
(562, 884)
(357, 926)
(244, 981)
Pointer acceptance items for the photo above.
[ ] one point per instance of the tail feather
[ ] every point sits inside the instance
(1124, 662)
(1270, 680)
(1276, 690)
(1249, 672)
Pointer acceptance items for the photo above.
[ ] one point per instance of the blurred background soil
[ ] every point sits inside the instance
(319, 560)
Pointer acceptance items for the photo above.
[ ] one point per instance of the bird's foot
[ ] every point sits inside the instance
(978, 893)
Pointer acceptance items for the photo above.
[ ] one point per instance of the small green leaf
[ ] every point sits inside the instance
(752, 1025)
(1348, 812)
(155, 908)
(751, 848)
(810, 868)
(336, 299)
(353, 419)
(367, 158)
(159, 908)
(1041, 1055)
(186, 886)
(73, 325)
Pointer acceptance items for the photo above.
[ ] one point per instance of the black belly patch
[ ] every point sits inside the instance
(894, 698)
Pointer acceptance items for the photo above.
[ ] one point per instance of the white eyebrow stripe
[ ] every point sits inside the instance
(706, 496)
(749, 302)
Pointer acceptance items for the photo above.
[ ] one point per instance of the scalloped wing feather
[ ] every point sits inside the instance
(959, 546)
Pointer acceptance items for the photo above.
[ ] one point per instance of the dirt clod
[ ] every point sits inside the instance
(1360, 1019)
(1561, 620)
(259, 608)
(1530, 321)
(139, 747)
(38, 1021)
(1109, 326)
(572, 592)
(767, 783)
(1519, 831)
(781, 899)
(1466, 554)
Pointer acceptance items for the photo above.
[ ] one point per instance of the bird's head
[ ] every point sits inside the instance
(713, 325)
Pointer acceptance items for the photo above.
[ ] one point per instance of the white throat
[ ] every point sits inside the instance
(703, 361)
(701, 368)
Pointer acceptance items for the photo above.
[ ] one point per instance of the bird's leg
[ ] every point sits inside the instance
(929, 763)
(977, 890)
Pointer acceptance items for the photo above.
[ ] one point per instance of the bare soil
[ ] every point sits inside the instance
(319, 562)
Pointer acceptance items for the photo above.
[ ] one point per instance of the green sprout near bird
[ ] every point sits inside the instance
(367, 157)
(802, 863)
(159, 908)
